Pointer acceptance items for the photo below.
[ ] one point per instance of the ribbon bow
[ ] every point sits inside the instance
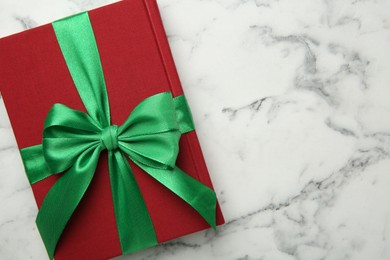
(73, 141)
(149, 136)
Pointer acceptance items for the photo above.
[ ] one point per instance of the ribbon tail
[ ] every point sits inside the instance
(64, 197)
(135, 228)
(196, 194)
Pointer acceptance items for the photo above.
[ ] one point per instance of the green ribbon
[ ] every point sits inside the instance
(73, 140)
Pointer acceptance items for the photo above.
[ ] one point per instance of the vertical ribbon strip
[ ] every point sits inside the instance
(73, 140)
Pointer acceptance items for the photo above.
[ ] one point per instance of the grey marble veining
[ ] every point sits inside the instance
(291, 103)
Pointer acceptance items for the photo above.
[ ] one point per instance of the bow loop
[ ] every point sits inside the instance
(150, 135)
(156, 151)
(67, 134)
(155, 114)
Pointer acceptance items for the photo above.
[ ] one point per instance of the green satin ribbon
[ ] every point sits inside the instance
(73, 140)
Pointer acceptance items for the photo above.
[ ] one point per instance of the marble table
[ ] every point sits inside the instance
(291, 103)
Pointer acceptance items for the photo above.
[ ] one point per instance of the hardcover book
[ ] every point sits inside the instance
(137, 64)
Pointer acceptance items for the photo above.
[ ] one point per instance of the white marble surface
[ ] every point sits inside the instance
(291, 100)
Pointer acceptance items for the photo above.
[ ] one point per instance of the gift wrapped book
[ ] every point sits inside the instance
(105, 133)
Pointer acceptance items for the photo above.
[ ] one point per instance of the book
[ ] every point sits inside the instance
(137, 63)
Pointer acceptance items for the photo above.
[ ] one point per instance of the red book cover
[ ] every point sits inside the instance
(137, 63)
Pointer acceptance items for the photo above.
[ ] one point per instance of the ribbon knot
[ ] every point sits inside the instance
(109, 137)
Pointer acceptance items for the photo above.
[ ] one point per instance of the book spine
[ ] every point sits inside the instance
(175, 85)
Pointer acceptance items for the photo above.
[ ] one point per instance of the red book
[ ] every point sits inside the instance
(137, 63)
